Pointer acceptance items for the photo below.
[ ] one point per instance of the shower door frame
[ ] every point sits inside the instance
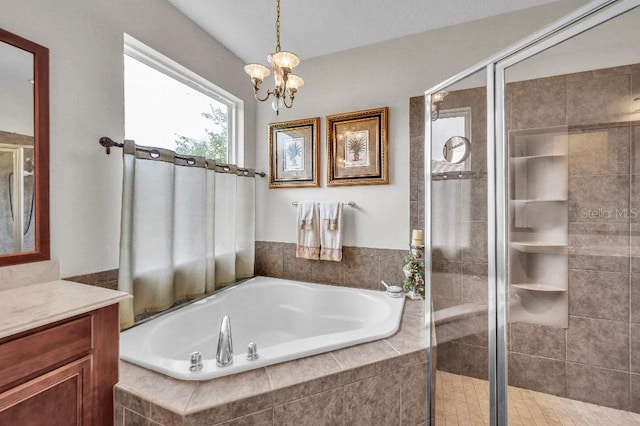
(577, 22)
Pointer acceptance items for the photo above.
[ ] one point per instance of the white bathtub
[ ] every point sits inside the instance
(286, 319)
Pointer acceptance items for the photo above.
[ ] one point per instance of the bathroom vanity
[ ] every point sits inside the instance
(58, 354)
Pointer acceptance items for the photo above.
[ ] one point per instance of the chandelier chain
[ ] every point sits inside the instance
(278, 26)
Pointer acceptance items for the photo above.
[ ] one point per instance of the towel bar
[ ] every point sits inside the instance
(348, 203)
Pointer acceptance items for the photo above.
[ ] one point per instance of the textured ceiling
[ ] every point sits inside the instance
(318, 27)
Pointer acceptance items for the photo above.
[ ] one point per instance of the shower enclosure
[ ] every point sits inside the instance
(16, 199)
(534, 272)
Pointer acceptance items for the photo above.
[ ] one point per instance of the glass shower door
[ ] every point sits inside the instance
(457, 231)
(572, 120)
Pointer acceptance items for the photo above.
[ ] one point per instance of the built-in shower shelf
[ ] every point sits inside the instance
(539, 225)
(535, 157)
(539, 287)
(539, 200)
(539, 247)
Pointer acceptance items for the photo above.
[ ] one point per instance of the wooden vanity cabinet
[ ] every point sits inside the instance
(61, 374)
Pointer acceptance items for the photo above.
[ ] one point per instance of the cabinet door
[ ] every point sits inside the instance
(61, 397)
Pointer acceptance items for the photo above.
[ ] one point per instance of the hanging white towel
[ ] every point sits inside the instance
(331, 231)
(308, 225)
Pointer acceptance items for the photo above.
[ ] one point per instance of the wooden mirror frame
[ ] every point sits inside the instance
(40, 148)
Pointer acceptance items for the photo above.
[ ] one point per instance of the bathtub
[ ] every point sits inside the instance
(286, 319)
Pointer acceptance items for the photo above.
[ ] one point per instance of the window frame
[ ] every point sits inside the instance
(161, 63)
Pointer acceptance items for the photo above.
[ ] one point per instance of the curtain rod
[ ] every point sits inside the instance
(109, 143)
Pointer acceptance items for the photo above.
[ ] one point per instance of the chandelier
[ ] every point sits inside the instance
(282, 63)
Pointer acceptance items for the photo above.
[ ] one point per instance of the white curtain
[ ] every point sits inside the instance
(245, 224)
(225, 225)
(178, 235)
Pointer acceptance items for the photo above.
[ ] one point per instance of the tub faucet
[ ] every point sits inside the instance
(224, 354)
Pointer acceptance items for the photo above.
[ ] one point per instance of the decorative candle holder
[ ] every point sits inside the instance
(417, 251)
(413, 271)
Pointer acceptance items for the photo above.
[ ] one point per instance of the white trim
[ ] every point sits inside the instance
(428, 308)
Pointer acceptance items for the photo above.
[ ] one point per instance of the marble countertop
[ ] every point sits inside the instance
(32, 306)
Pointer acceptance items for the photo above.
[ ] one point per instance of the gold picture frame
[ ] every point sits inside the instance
(358, 148)
(294, 154)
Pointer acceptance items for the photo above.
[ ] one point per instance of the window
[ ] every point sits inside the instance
(168, 106)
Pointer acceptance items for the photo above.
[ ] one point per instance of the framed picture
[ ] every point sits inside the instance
(293, 153)
(357, 148)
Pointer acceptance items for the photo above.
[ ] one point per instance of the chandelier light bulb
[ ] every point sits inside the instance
(285, 60)
(257, 71)
(294, 82)
(278, 75)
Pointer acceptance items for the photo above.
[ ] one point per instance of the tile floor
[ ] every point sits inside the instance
(462, 400)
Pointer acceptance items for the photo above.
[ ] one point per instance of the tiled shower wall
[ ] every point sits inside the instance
(597, 359)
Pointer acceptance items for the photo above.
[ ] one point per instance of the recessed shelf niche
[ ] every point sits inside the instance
(538, 257)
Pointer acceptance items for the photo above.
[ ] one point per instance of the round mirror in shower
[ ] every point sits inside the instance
(456, 149)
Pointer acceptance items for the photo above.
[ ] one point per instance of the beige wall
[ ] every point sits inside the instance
(17, 91)
(385, 74)
(85, 39)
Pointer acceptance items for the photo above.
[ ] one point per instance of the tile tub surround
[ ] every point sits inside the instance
(105, 279)
(381, 382)
(360, 267)
(597, 359)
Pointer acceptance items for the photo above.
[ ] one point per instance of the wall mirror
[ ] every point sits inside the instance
(450, 149)
(24, 150)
